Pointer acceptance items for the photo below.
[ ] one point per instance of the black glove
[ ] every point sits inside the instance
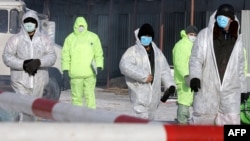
(99, 70)
(25, 62)
(66, 80)
(34, 65)
(167, 93)
(172, 89)
(244, 97)
(31, 66)
(195, 84)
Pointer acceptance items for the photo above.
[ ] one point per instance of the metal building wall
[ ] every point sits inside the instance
(115, 21)
(174, 23)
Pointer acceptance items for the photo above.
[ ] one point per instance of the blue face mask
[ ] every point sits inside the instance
(29, 27)
(222, 21)
(145, 40)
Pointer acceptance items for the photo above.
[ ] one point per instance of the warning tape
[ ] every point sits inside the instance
(43, 131)
(80, 129)
(60, 111)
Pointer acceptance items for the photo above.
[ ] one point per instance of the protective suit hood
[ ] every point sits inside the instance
(31, 14)
(138, 42)
(136, 34)
(137, 39)
(80, 21)
(183, 34)
(212, 21)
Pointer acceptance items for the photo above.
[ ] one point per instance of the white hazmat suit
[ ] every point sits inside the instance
(135, 66)
(19, 48)
(218, 101)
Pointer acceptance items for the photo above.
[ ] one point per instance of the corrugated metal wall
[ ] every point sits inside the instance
(115, 21)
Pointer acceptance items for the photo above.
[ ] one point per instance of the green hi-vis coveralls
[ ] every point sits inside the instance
(80, 51)
(181, 54)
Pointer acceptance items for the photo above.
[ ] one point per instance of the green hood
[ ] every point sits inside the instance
(80, 21)
(183, 34)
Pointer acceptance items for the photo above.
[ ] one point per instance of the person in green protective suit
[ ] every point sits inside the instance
(245, 99)
(82, 60)
(245, 109)
(181, 54)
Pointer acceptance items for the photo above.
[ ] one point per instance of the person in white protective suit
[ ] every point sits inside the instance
(217, 70)
(145, 68)
(28, 54)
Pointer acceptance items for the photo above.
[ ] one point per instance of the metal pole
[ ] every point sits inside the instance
(161, 24)
(110, 43)
(192, 13)
(134, 16)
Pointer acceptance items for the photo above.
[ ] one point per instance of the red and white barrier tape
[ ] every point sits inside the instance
(108, 132)
(60, 111)
(100, 131)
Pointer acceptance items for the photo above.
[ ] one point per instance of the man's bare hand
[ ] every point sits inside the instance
(149, 78)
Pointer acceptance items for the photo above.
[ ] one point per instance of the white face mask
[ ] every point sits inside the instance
(192, 38)
(29, 27)
(80, 29)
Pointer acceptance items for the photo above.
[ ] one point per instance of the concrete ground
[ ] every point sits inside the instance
(117, 100)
